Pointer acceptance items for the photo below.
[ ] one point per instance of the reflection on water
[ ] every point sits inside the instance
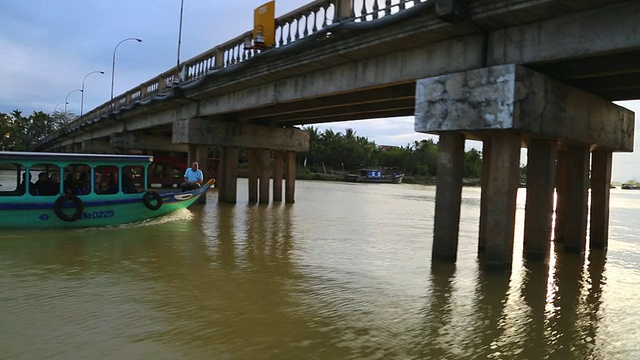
(345, 273)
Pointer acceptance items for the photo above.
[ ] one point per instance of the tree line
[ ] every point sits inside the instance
(22, 133)
(329, 151)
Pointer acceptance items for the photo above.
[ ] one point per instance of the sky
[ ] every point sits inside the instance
(48, 48)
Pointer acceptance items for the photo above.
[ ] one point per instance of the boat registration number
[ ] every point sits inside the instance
(99, 214)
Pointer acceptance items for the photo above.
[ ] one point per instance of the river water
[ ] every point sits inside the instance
(344, 273)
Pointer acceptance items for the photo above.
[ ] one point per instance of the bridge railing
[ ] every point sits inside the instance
(291, 27)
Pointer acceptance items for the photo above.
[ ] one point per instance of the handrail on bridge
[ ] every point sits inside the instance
(291, 27)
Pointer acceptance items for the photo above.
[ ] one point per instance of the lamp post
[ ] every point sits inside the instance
(113, 63)
(55, 108)
(66, 101)
(180, 35)
(82, 89)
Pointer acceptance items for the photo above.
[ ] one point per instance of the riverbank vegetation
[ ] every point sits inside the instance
(333, 154)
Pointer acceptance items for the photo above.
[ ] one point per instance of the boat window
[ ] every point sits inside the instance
(77, 180)
(10, 176)
(162, 174)
(46, 180)
(105, 180)
(132, 179)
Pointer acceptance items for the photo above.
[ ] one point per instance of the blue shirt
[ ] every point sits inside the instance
(192, 176)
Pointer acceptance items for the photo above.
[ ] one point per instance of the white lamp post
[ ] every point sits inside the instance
(66, 101)
(113, 63)
(82, 89)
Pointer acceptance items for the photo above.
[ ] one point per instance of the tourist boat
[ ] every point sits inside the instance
(81, 190)
(374, 176)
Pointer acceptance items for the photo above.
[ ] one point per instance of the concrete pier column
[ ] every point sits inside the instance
(601, 162)
(484, 183)
(202, 155)
(253, 171)
(575, 224)
(541, 178)
(562, 176)
(504, 174)
(278, 158)
(192, 153)
(228, 184)
(265, 174)
(448, 195)
(290, 176)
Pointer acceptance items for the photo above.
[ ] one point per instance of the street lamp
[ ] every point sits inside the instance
(85, 78)
(113, 64)
(66, 101)
(55, 108)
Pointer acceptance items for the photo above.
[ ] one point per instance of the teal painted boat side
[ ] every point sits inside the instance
(98, 211)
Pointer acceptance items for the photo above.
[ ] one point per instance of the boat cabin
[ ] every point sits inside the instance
(31, 174)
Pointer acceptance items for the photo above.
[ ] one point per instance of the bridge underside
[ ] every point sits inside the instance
(508, 106)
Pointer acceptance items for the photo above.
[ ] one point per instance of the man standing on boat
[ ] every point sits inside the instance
(193, 178)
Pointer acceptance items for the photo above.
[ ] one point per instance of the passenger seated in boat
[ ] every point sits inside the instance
(128, 187)
(39, 188)
(97, 183)
(112, 185)
(51, 187)
(69, 184)
(192, 178)
(26, 176)
(82, 186)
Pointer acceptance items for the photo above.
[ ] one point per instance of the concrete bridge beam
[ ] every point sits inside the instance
(128, 140)
(507, 104)
(98, 146)
(203, 131)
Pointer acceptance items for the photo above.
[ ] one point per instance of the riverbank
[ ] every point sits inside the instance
(407, 179)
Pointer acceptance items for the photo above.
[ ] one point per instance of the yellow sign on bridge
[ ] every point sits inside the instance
(264, 25)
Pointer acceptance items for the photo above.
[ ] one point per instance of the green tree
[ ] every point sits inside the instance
(473, 164)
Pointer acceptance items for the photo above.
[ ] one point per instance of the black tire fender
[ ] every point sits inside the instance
(149, 198)
(59, 204)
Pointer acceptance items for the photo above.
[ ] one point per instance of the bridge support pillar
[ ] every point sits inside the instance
(278, 158)
(541, 178)
(503, 105)
(290, 177)
(265, 175)
(601, 162)
(448, 196)
(575, 220)
(562, 178)
(484, 183)
(500, 207)
(252, 175)
(228, 184)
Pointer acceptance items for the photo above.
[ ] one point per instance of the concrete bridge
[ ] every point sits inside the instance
(534, 73)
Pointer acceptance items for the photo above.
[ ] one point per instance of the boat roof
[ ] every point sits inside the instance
(38, 157)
